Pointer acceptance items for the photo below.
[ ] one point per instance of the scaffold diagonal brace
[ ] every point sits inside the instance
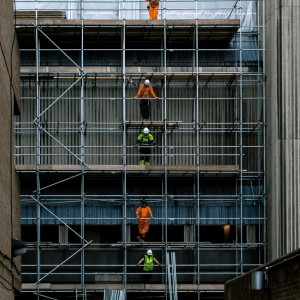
(69, 178)
(37, 27)
(44, 296)
(63, 262)
(59, 97)
(54, 215)
(61, 144)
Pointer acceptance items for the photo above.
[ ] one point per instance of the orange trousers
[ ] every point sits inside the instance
(153, 11)
(143, 227)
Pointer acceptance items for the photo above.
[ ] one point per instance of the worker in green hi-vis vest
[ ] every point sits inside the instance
(145, 140)
(148, 265)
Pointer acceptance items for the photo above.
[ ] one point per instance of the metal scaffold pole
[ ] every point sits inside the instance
(241, 151)
(38, 158)
(82, 142)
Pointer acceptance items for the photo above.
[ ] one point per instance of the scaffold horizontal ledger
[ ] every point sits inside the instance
(82, 63)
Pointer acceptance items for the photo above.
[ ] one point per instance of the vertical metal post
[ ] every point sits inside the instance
(236, 157)
(124, 156)
(165, 145)
(198, 157)
(38, 149)
(241, 149)
(82, 142)
(264, 139)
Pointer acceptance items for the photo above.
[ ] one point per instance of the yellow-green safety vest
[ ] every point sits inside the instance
(148, 264)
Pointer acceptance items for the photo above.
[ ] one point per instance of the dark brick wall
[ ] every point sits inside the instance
(9, 183)
(283, 281)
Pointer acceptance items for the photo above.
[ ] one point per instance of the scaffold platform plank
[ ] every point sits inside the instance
(142, 30)
(153, 124)
(130, 286)
(51, 73)
(155, 170)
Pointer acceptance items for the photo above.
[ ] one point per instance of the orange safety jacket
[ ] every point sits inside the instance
(152, 3)
(143, 212)
(144, 91)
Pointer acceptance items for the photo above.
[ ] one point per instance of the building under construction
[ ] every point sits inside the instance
(82, 63)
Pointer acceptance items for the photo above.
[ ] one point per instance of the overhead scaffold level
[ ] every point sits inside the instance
(82, 63)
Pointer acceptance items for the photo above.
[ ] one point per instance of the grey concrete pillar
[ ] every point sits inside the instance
(128, 233)
(188, 233)
(283, 126)
(63, 234)
(251, 233)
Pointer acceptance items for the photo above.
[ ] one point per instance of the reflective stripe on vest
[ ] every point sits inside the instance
(148, 264)
(141, 216)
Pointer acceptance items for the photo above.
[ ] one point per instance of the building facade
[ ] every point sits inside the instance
(10, 277)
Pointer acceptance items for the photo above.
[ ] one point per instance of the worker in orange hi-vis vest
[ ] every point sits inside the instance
(145, 104)
(153, 9)
(142, 214)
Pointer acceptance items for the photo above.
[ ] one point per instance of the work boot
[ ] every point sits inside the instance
(143, 240)
(139, 238)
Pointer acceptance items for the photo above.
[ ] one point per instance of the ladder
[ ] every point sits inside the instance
(172, 279)
(114, 295)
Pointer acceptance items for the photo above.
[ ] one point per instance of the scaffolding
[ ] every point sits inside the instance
(57, 152)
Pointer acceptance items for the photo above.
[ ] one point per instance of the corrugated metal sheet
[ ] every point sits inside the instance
(103, 113)
(112, 208)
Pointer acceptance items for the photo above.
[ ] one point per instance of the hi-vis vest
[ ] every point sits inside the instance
(148, 264)
(146, 141)
(144, 216)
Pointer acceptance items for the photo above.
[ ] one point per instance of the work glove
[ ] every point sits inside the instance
(135, 146)
(137, 265)
(160, 265)
(134, 98)
(156, 146)
(148, 6)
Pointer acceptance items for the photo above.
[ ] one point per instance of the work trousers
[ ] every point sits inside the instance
(153, 11)
(143, 227)
(143, 154)
(147, 276)
(145, 108)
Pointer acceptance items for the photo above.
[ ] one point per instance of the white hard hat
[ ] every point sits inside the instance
(147, 82)
(146, 130)
(149, 252)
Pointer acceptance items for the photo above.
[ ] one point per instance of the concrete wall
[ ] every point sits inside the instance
(282, 117)
(9, 188)
(282, 281)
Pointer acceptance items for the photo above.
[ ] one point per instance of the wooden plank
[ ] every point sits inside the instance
(130, 286)
(138, 168)
(211, 23)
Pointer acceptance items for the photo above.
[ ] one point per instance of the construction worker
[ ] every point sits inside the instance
(153, 9)
(145, 140)
(145, 103)
(148, 265)
(142, 214)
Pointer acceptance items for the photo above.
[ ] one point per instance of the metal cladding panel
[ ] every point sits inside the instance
(212, 211)
(209, 214)
(103, 114)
